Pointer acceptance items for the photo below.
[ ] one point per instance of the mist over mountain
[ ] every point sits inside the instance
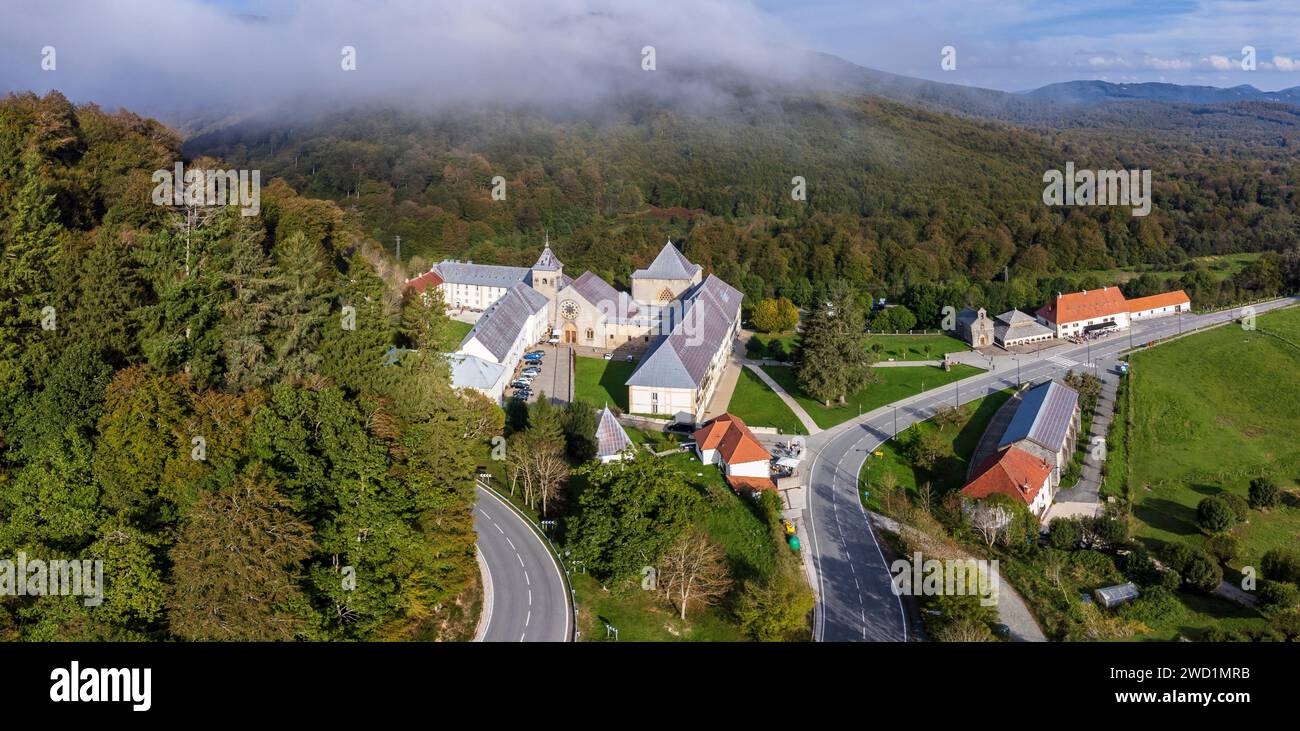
(1096, 92)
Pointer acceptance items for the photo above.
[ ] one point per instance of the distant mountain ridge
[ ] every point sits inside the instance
(1098, 92)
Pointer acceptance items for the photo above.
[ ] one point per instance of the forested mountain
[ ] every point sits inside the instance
(180, 398)
(1093, 92)
(897, 196)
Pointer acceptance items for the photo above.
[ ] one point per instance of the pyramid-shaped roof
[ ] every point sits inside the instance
(670, 264)
(611, 439)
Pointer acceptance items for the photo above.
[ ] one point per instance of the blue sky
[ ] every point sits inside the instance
(1021, 44)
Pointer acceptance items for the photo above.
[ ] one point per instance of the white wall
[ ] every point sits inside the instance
(671, 401)
(757, 468)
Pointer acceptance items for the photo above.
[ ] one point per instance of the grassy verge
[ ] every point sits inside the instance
(759, 405)
(913, 347)
(774, 346)
(892, 384)
(459, 330)
(949, 473)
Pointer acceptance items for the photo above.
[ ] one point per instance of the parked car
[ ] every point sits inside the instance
(535, 354)
(678, 427)
(531, 371)
(521, 384)
(609, 356)
(554, 341)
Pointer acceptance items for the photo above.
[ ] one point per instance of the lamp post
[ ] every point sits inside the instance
(895, 422)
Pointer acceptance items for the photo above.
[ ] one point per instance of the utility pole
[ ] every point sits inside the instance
(895, 422)
(399, 249)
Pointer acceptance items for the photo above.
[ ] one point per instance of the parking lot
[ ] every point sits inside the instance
(556, 378)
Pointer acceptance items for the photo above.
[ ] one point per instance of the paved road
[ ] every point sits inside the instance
(855, 601)
(529, 601)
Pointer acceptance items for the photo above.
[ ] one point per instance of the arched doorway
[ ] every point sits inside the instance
(570, 333)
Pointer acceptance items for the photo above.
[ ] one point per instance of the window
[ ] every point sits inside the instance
(590, 334)
(665, 296)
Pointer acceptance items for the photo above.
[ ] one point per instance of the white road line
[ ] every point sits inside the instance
(512, 544)
(498, 527)
(521, 559)
(527, 580)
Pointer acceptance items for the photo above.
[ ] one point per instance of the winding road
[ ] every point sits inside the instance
(855, 599)
(525, 597)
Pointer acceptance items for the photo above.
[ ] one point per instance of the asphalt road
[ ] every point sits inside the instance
(529, 601)
(855, 600)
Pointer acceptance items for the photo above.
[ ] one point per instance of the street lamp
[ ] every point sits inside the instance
(1018, 381)
(895, 422)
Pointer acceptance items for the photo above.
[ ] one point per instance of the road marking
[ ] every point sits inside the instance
(528, 619)
(512, 544)
(497, 527)
(521, 559)
(526, 579)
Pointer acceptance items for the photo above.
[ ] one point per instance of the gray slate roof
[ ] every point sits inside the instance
(470, 371)
(670, 264)
(548, 261)
(483, 275)
(1021, 329)
(1043, 416)
(681, 358)
(595, 290)
(611, 439)
(501, 324)
(1016, 317)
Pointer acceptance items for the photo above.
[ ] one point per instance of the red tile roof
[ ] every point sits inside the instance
(740, 482)
(423, 282)
(1012, 472)
(1085, 305)
(733, 440)
(1155, 301)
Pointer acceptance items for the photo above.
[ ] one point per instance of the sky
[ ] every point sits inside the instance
(1017, 45)
(152, 54)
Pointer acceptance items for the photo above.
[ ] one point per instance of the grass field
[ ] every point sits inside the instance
(459, 330)
(759, 405)
(1210, 412)
(776, 346)
(913, 347)
(893, 384)
(640, 615)
(598, 381)
(948, 474)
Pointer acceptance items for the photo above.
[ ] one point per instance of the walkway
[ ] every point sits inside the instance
(798, 410)
(1084, 499)
(721, 399)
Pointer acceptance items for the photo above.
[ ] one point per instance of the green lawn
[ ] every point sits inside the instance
(775, 346)
(599, 381)
(913, 347)
(640, 615)
(459, 330)
(759, 405)
(949, 473)
(1210, 412)
(892, 384)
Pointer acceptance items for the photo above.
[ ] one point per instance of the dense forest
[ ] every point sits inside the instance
(897, 196)
(181, 399)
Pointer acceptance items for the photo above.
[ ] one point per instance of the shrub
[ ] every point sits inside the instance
(1156, 605)
(1281, 564)
(1176, 555)
(1202, 573)
(1224, 547)
(1109, 532)
(1276, 597)
(1214, 515)
(1064, 534)
(1140, 569)
(1240, 508)
(1264, 493)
